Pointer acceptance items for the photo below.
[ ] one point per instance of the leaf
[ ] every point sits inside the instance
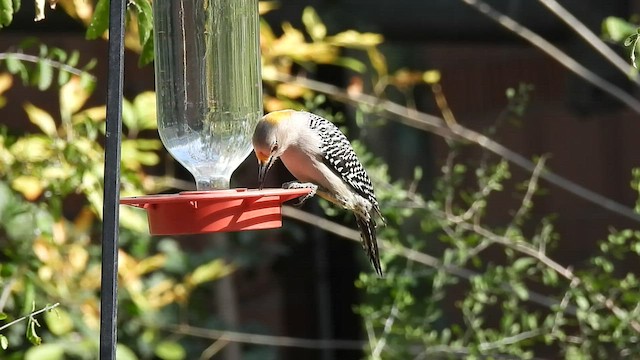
(3, 316)
(147, 54)
(124, 353)
(315, 28)
(630, 40)
(145, 109)
(6, 12)
(32, 335)
(617, 29)
(431, 77)
(355, 39)
(39, 10)
(44, 72)
(14, 65)
(582, 302)
(4, 342)
(351, 64)
(58, 321)
(31, 149)
(30, 187)
(42, 119)
(520, 290)
(170, 350)
(73, 96)
(46, 352)
(267, 6)
(378, 61)
(523, 263)
(100, 21)
(210, 271)
(145, 20)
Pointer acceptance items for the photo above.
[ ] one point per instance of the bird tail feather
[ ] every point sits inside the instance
(369, 242)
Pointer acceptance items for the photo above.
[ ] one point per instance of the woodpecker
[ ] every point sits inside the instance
(321, 158)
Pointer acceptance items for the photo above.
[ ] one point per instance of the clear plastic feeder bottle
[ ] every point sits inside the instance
(208, 84)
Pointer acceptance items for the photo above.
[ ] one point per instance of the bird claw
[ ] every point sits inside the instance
(297, 185)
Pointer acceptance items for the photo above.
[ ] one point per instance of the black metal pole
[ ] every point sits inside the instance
(111, 215)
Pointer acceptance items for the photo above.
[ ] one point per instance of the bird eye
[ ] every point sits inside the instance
(274, 148)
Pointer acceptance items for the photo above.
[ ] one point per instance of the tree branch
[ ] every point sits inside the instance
(46, 308)
(592, 39)
(259, 339)
(557, 54)
(435, 125)
(410, 254)
(35, 59)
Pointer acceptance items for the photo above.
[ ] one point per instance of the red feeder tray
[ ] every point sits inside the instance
(193, 212)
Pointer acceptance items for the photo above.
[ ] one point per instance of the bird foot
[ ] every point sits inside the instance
(299, 185)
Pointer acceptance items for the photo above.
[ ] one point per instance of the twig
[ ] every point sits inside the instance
(259, 339)
(433, 124)
(592, 39)
(567, 273)
(46, 308)
(557, 54)
(35, 59)
(213, 349)
(410, 254)
(510, 340)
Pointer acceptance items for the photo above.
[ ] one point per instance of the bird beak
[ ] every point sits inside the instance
(263, 169)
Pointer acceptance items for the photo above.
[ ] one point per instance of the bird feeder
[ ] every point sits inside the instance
(209, 100)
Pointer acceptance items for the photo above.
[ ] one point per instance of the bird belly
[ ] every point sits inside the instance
(307, 169)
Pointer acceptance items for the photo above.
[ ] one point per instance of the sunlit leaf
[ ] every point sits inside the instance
(267, 6)
(30, 187)
(145, 109)
(124, 353)
(97, 113)
(378, 61)
(6, 81)
(73, 95)
(42, 119)
(6, 12)
(617, 29)
(210, 271)
(58, 321)
(291, 91)
(3, 316)
(355, 39)
(314, 25)
(39, 10)
(170, 350)
(431, 77)
(51, 351)
(4, 342)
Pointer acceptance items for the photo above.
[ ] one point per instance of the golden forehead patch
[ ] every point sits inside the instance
(277, 116)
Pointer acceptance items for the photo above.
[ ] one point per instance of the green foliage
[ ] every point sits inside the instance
(622, 32)
(141, 11)
(7, 9)
(50, 253)
(40, 70)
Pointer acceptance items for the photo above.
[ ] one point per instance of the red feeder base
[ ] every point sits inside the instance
(194, 212)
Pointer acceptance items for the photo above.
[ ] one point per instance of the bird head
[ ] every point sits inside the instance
(270, 141)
